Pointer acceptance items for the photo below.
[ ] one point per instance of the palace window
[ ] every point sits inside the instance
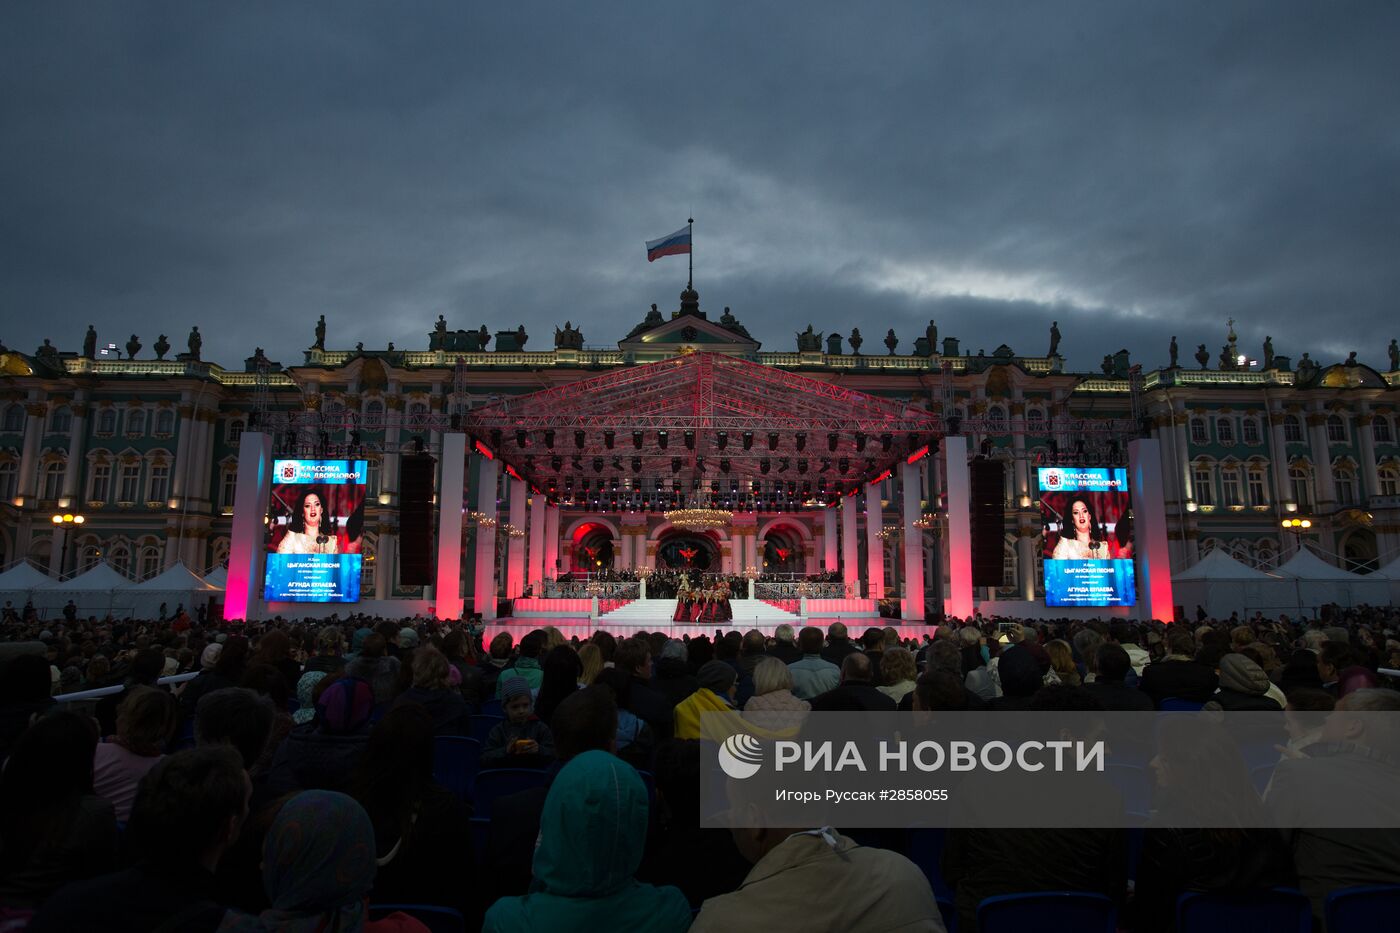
(14, 419)
(1225, 430)
(1344, 478)
(372, 479)
(136, 422)
(1205, 488)
(52, 484)
(228, 486)
(100, 483)
(129, 487)
(996, 419)
(165, 422)
(1380, 430)
(61, 421)
(1258, 489)
(1230, 486)
(1010, 568)
(417, 415)
(107, 421)
(119, 556)
(9, 476)
(1300, 480)
(1389, 477)
(1035, 421)
(150, 562)
(1336, 430)
(160, 483)
(1292, 430)
(235, 431)
(1199, 434)
(1250, 429)
(89, 556)
(374, 415)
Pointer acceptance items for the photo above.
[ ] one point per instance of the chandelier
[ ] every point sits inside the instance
(697, 517)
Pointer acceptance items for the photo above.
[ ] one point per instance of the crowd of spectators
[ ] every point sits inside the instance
(292, 781)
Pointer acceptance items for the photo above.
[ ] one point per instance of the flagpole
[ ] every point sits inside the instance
(690, 284)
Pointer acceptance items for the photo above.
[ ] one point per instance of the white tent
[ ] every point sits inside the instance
(1391, 573)
(1318, 582)
(92, 591)
(218, 577)
(175, 586)
(1224, 585)
(17, 585)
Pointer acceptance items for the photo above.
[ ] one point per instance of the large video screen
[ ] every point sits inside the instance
(1088, 528)
(315, 519)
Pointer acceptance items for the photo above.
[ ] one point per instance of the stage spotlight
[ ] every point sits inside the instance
(579, 438)
(832, 440)
(802, 466)
(765, 465)
(637, 439)
(636, 464)
(689, 440)
(699, 464)
(617, 463)
(597, 464)
(609, 437)
(578, 462)
(806, 489)
(886, 442)
(569, 483)
(826, 464)
(784, 464)
(724, 465)
(772, 440)
(556, 463)
(801, 440)
(522, 438)
(675, 464)
(662, 439)
(722, 439)
(549, 439)
(860, 443)
(585, 485)
(748, 440)
(843, 465)
(757, 488)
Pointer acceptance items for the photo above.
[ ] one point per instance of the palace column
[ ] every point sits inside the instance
(1322, 460)
(484, 589)
(830, 560)
(874, 544)
(911, 489)
(515, 546)
(551, 541)
(77, 449)
(850, 549)
(37, 412)
(538, 521)
(447, 599)
(1370, 478)
(959, 508)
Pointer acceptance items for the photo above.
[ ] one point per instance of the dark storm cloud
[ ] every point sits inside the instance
(1132, 170)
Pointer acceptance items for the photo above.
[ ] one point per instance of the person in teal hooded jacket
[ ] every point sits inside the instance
(592, 833)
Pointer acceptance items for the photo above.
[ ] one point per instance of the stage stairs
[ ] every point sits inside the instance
(748, 613)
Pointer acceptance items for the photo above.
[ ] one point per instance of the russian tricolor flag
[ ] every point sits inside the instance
(676, 244)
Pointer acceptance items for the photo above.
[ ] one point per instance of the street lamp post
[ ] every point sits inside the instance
(63, 523)
(1297, 527)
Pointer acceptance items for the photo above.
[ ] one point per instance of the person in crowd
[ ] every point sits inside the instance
(227, 671)
(1086, 643)
(897, 670)
(309, 529)
(1127, 637)
(813, 674)
(590, 656)
(189, 810)
(1333, 658)
(816, 874)
(145, 724)
(942, 689)
(53, 827)
(433, 693)
(752, 649)
(559, 677)
(1179, 675)
(522, 740)
(24, 697)
(1202, 782)
(527, 663)
(322, 755)
(1109, 687)
(672, 677)
(275, 648)
(1084, 539)
(419, 826)
(374, 666)
(266, 680)
(583, 721)
(306, 695)
(318, 868)
(146, 667)
(592, 833)
(633, 658)
(330, 651)
(457, 648)
(1062, 662)
(1243, 686)
(1020, 675)
(773, 707)
(236, 717)
(1354, 761)
(496, 660)
(838, 645)
(1300, 671)
(636, 742)
(856, 691)
(717, 682)
(784, 646)
(1262, 655)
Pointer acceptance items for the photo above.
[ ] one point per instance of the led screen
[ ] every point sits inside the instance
(315, 519)
(1088, 528)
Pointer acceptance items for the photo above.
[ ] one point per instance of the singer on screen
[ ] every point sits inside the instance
(1084, 539)
(309, 531)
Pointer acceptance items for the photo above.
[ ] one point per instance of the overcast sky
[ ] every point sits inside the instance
(1132, 170)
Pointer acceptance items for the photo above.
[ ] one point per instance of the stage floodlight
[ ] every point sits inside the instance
(832, 440)
(579, 438)
(748, 440)
(802, 466)
(860, 442)
(662, 439)
(826, 464)
(617, 463)
(699, 464)
(784, 464)
(765, 465)
(675, 464)
(597, 464)
(689, 440)
(636, 464)
(724, 465)
(549, 439)
(522, 438)
(637, 439)
(843, 465)
(609, 438)
(772, 440)
(801, 440)
(577, 462)
(556, 463)
(722, 439)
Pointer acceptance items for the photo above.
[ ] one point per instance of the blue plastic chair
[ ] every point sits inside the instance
(455, 762)
(500, 782)
(1080, 911)
(436, 919)
(482, 724)
(1175, 705)
(949, 911)
(649, 780)
(1278, 910)
(492, 707)
(1363, 909)
(926, 851)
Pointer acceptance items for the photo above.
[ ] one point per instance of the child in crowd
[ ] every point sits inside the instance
(522, 740)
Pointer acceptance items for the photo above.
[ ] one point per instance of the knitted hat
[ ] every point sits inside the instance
(306, 689)
(210, 657)
(408, 638)
(345, 707)
(716, 676)
(1242, 675)
(514, 687)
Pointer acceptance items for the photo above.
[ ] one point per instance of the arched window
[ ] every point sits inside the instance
(1258, 485)
(150, 562)
(367, 565)
(1035, 421)
(61, 421)
(1292, 430)
(165, 421)
(235, 431)
(136, 422)
(374, 414)
(119, 556)
(100, 482)
(372, 478)
(1300, 482)
(1265, 554)
(1230, 491)
(130, 485)
(219, 549)
(14, 419)
(1198, 431)
(107, 421)
(1380, 430)
(1389, 476)
(1336, 430)
(1010, 567)
(1204, 483)
(52, 480)
(1225, 430)
(228, 486)
(1344, 479)
(1250, 430)
(88, 557)
(9, 480)
(996, 419)
(158, 485)
(1208, 545)
(417, 415)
